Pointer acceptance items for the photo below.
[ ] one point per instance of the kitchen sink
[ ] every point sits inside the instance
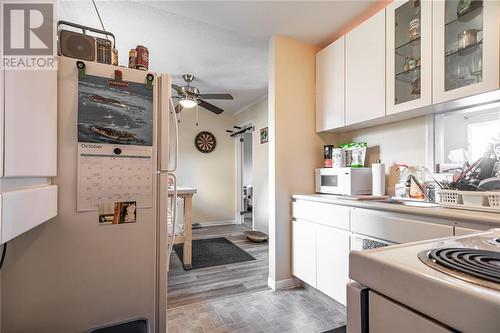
(411, 203)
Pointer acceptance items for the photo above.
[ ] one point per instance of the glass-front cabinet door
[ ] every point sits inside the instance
(409, 43)
(466, 48)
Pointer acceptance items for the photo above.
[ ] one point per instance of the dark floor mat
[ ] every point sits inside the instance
(341, 329)
(214, 252)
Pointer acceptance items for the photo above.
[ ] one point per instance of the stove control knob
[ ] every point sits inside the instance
(117, 151)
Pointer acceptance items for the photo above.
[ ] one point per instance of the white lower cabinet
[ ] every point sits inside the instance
(332, 262)
(320, 246)
(321, 239)
(304, 251)
(397, 228)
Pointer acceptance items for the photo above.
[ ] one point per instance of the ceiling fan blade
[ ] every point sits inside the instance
(178, 89)
(210, 107)
(216, 96)
(178, 108)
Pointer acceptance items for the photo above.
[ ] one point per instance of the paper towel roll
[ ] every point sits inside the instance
(378, 179)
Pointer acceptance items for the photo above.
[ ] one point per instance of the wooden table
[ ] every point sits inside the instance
(186, 193)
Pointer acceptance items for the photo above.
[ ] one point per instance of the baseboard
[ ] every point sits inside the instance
(283, 284)
(216, 223)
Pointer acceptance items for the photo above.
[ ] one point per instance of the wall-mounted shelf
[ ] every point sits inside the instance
(465, 51)
(407, 49)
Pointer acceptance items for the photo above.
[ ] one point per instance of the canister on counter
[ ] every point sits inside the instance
(132, 58)
(338, 158)
(327, 154)
(114, 57)
(142, 61)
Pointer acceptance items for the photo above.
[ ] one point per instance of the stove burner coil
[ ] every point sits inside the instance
(481, 264)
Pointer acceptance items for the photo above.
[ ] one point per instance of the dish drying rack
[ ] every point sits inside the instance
(486, 201)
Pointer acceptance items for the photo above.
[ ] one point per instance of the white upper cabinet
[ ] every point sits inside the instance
(365, 70)
(409, 55)
(330, 87)
(30, 123)
(465, 48)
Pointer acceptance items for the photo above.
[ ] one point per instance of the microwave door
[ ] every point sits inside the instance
(329, 184)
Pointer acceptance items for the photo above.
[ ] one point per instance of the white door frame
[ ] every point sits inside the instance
(239, 176)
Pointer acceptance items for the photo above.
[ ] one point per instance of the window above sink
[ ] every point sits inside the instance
(465, 136)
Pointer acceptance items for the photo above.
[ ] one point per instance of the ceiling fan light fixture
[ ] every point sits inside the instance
(188, 102)
(189, 96)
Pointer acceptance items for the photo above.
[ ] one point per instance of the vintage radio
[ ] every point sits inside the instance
(82, 46)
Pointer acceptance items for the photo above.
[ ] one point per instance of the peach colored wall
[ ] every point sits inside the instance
(295, 149)
(377, 6)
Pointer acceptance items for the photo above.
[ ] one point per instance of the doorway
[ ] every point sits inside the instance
(245, 182)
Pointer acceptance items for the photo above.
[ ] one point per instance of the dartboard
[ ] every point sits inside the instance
(205, 142)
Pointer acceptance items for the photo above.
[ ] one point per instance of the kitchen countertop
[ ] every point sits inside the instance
(492, 219)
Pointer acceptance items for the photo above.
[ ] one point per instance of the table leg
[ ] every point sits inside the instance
(188, 232)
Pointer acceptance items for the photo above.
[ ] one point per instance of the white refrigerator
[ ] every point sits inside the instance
(81, 271)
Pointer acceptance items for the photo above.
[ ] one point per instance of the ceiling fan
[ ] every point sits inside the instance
(190, 96)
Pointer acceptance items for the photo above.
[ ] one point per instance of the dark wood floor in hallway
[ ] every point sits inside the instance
(235, 297)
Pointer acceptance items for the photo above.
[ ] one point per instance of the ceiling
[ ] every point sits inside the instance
(223, 43)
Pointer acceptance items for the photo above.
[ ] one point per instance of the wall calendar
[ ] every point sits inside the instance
(115, 143)
(104, 177)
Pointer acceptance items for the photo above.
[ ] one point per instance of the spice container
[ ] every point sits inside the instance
(411, 64)
(415, 87)
(414, 25)
(114, 57)
(467, 38)
(406, 65)
(132, 58)
(142, 61)
(327, 154)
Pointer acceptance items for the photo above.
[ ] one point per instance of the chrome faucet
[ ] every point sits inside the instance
(408, 185)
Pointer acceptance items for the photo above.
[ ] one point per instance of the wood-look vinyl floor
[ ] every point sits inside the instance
(198, 285)
(235, 297)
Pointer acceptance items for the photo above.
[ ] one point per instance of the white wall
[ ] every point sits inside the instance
(401, 142)
(212, 174)
(256, 114)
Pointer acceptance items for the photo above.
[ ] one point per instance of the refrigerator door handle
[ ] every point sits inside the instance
(174, 214)
(176, 136)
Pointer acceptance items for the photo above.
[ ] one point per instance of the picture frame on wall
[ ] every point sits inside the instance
(264, 137)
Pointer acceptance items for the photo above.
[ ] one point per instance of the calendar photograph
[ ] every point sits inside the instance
(118, 212)
(114, 114)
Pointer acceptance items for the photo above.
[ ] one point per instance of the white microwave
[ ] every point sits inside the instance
(344, 181)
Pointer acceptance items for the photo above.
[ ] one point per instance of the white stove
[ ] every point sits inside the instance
(443, 285)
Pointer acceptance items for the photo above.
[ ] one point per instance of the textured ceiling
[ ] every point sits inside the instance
(223, 43)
